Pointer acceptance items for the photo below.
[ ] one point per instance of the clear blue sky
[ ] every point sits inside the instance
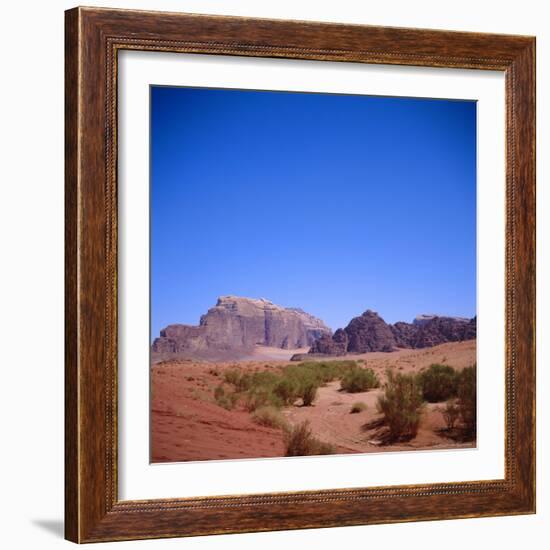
(332, 203)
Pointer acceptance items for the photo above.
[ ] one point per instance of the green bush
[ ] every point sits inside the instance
(244, 382)
(261, 397)
(308, 393)
(264, 379)
(326, 372)
(283, 387)
(401, 405)
(439, 383)
(322, 371)
(287, 389)
(451, 413)
(219, 392)
(359, 380)
(467, 399)
(301, 382)
(325, 448)
(269, 416)
(358, 407)
(301, 442)
(232, 376)
(224, 399)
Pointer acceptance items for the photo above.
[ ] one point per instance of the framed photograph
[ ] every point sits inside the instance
(300, 275)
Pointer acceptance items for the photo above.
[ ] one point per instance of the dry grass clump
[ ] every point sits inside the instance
(358, 407)
(463, 407)
(260, 396)
(299, 441)
(271, 417)
(439, 383)
(467, 400)
(359, 380)
(401, 405)
(288, 390)
(224, 398)
(285, 387)
(451, 413)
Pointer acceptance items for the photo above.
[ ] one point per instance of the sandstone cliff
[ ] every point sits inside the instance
(236, 323)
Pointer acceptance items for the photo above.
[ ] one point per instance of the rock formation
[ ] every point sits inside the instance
(236, 323)
(434, 331)
(427, 317)
(331, 345)
(369, 332)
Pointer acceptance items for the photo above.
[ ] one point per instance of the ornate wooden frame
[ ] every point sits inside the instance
(93, 511)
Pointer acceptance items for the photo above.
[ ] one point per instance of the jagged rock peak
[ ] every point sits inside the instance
(369, 332)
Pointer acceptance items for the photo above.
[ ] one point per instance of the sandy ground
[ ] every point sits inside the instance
(264, 353)
(187, 424)
(331, 421)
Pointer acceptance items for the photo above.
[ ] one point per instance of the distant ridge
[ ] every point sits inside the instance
(369, 332)
(426, 317)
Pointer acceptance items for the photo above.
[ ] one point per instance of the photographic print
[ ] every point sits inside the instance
(281, 241)
(312, 272)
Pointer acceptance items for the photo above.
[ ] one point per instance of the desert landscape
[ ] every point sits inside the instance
(355, 217)
(254, 380)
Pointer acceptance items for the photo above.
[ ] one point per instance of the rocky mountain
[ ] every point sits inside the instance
(369, 332)
(434, 331)
(331, 345)
(427, 317)
(237, 323)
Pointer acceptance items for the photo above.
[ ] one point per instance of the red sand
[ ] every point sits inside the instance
(187, 424)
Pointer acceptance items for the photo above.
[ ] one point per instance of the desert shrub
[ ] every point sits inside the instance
(287, 389)
(358, 407)
(467, 399)
(439, 383)
(300, 441)
(327, 371)
(359, 380)
(308, 393)
(264, 388)
(325, 448)
(284, 387)
(244, 382)
(263, 379)
(450, 413)
(300, 373)
(401, 405)
(269, 416)
(261, 397)
(346, 364)
(225, 399)
(340, 368)
(232, 376)
(322, 371)
(300, 382)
